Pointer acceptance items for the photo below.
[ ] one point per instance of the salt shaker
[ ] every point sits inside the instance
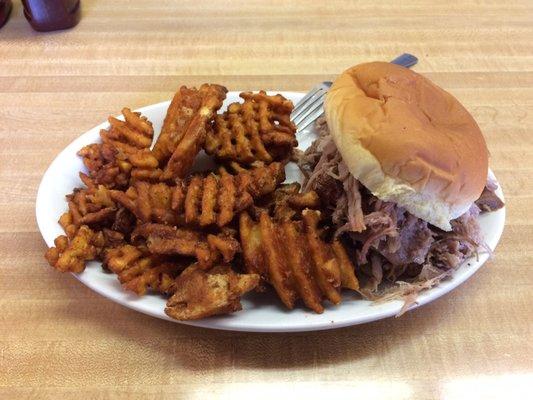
(5, 9)
(52, 15)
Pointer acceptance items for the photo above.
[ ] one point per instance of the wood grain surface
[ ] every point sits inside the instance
(58, 339)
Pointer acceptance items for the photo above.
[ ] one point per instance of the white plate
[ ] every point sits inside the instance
(261, 312)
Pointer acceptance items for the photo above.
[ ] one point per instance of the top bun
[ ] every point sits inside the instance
(407, 140)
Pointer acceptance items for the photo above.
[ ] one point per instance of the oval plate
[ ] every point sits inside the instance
(261, 312)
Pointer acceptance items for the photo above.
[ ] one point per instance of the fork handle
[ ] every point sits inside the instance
(405, 60)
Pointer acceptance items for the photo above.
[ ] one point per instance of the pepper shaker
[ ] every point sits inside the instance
(5, 9)
(52, 15)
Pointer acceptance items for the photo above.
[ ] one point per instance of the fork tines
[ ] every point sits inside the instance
(310, 107)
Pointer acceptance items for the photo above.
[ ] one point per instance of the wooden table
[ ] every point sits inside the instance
(58, 339)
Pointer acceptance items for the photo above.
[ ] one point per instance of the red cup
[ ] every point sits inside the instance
(52, 15)
(5, 9)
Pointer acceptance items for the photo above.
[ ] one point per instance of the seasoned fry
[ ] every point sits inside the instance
(224, 244)
(286, 202)
(164, 239)
(193, 200)
(262, 180)
(123, 154)
(259, 129)
(145, 174)
(193, 137)
(185, 235)
(251, 243)
(71, 255)
(178, 196)
(145, 230)
(143, 201)
(172, 245)
(148, 202)
(325, 268)
(301, 265)
(92, 206)
(98, 216)
(227, 200)
(348, 279)
(259, 179)
(139, 272)
(209, 200)
(199, 294)
(184, 106)
(124, 221)
(113, 238)
(207, 248)
(221, 247)
(273, 251)
(279, 205)
(300, 268)
(203, 200)
(304, 200)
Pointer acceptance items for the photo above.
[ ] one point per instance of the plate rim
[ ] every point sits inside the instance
(393, 308)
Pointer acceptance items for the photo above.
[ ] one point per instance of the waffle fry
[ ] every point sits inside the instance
(138, 272)
(207, 248)
(201, 200)
(192, 135)
(286, 202)
(200, 294)
(93, 207)
(148, 202)
(221, 247)
(169, 241)
(185, 104)
(293, 258)
(123, 153)
(113, 238)
(217, 199)
(70, 255)
(258, 179)
(259, 129)
(160, 228)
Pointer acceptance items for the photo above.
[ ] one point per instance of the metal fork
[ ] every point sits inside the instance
(310, 107)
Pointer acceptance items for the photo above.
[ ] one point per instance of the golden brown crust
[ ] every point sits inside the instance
(200, 294)
(139, 272)
(199, 200)
(160, 239)
(160, 228)
(259, 129)
(189, 143)
(292, 257)
(70, 255)
(123, 154)
(407, 140)
(184, 105)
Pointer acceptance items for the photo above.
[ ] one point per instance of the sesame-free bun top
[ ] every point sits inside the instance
(407, 140)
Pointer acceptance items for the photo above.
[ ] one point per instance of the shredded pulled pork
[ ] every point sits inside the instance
(398, 254)
(489, 201)
(327, 174)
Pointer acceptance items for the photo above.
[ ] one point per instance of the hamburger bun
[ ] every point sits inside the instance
(407, 140)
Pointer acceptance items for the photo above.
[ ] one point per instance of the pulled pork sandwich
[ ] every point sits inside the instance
(401, 168)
